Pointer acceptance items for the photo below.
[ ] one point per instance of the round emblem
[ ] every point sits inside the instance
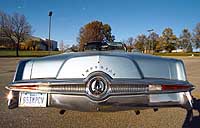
(97, 87)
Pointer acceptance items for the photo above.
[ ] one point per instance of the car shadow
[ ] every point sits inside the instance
(195, 123)
(195, 120)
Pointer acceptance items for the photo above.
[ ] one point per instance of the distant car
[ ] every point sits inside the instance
(103, 78)
(163, 51)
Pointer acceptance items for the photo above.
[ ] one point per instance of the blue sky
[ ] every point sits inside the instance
(128, 18)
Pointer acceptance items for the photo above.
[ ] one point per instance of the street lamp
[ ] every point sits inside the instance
(150, 31)
(50, 14)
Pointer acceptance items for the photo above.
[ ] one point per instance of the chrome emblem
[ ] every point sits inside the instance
(97, 87)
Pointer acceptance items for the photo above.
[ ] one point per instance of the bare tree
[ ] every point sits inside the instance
(185, 41)
(66, 47)
(196, 35)
(15, 27)
(130, 41)
(129, 44)
(61, 46)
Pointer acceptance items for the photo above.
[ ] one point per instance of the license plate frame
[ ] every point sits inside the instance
(32, 99)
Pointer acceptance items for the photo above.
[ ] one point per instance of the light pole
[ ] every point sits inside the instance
(150, 31)
(50, 14)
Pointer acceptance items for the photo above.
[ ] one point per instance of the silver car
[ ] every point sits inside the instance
(102, 78)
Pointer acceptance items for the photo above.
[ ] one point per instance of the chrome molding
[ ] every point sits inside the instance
(81, 86)
(128, 88)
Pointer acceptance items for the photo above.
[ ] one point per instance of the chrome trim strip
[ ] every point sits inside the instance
(79, 86)
(80, 89)
(157, 81)
(128, 89)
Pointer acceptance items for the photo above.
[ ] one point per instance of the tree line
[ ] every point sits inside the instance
(167, 41)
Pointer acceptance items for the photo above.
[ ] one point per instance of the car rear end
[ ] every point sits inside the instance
(100, 81)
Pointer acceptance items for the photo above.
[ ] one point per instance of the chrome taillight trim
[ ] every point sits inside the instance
(79, 86)
(128, 88)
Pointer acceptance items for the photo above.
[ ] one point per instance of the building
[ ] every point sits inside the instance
(44, 44)
(30, 43)
(53, 45)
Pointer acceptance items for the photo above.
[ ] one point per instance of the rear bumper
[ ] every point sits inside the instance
(114, 103)
(121, 94)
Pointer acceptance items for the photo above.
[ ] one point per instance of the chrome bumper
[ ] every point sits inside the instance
(121, 103)
(114, 103)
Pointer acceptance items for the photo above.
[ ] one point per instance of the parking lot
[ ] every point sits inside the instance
(50, 118)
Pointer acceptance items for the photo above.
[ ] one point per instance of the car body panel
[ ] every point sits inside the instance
(111, 65)
(133, 65)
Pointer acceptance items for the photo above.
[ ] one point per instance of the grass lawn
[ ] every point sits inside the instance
(12, 53)
(178, 54)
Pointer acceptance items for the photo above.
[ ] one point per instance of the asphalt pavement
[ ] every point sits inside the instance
(50, 117)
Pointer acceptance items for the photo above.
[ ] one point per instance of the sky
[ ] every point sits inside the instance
(127, 18)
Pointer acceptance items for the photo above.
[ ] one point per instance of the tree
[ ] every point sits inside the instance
(94, 31)
(130, 41)
(196, 36)
(159, 46)
(108, 37)
(140, 43)
(168, 39)
(185, 41)
(153, 40)
(61, 46)
(15, 27)
(129, 44)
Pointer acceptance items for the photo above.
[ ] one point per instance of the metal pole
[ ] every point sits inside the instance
(50, 14)
(152, 47)
(49, 33)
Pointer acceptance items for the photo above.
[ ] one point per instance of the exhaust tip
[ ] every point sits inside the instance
(137, 112)
(155, 109)
(62, 112)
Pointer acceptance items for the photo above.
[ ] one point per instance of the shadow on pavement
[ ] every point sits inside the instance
(190, 120)
(195, 123)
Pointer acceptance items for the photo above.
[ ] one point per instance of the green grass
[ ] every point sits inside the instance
(12, 53)
(177, 54)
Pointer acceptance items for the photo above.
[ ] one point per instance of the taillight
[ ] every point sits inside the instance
(10, 95)
(174, 87)
(156, 88)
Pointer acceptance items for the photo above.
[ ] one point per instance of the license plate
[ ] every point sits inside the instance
(32, 99)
